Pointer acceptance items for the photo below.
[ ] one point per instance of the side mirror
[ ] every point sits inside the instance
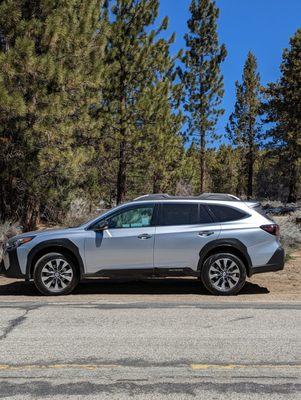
(103, 225)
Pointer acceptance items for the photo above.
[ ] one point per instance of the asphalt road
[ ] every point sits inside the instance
(150, 350)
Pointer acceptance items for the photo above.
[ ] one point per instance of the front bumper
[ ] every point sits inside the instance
(10, 266)
(276, 263)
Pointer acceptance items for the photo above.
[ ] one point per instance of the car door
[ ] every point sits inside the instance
(128, 243)
(183, 229)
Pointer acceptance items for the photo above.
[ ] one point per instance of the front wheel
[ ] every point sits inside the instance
(55, 275)
(223, 274)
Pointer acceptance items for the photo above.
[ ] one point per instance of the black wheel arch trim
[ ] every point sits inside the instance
(232, 244)
(275, 263)
(61, 244)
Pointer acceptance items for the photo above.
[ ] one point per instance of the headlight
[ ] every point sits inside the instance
(18, 242)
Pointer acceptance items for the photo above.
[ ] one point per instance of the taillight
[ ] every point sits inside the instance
(273, 229)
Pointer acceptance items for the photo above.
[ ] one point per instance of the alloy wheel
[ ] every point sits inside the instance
(224, 274)
(57, 275)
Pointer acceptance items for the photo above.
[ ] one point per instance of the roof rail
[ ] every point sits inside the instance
(219, 196)
(156, 196)
(203, 196)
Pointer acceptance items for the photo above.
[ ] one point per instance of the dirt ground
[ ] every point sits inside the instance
(278, 286)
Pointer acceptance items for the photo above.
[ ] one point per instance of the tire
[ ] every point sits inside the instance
(55, 275)
(223, 274)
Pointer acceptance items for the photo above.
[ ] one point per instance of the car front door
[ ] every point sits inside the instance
(183, 229)
(127, 243)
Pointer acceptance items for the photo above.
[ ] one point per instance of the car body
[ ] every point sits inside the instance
(215, 237)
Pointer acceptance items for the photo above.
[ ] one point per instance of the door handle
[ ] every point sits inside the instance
(206, 233)
(144, 236)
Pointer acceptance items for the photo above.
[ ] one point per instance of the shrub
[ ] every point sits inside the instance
(290, 231)
(81, 211)
(8, 230)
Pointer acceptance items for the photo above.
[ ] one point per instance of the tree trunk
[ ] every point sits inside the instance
(250, 174)
(31, 214)
(202, 162)
(121, 177)
(251, 158)
(292, 194)
(156, 182)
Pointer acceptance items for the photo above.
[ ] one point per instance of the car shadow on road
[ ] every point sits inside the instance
(164, 286)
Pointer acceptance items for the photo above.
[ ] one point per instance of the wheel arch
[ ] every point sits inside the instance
(63, 246)
(232, 246)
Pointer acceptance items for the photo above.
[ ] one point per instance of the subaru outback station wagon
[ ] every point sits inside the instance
(215, 237)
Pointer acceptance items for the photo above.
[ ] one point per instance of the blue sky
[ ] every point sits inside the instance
(262, 26)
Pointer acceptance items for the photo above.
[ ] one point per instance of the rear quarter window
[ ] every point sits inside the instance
(226, 213)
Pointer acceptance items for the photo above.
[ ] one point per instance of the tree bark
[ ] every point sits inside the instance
(202, 162)
(31, 214)
(121, 177)
(292, 194)
(251, 158)
(250, 177)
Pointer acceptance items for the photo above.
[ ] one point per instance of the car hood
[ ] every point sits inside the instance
(44, 232)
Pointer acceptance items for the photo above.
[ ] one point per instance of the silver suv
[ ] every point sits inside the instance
(215, 237)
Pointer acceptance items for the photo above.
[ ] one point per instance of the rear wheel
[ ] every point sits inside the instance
(223, 274)
(55, 274)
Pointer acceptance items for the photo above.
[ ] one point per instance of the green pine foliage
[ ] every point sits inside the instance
(50, 74)
(92, 104)
(245, 128)
(283, 109)
(141, 126)
(223, 170)
(202, 77)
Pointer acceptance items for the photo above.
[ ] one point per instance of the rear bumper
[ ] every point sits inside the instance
(276, 263)
(10, 266)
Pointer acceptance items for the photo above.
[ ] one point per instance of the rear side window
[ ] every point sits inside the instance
(179, 214)
(226, 214)
(183, 214)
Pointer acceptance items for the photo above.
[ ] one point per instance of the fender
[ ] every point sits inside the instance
(225, 243)
(55, 244)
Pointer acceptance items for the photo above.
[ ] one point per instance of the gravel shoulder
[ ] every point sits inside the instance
(270, 287)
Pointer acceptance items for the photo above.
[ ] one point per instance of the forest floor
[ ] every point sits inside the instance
(275, 286)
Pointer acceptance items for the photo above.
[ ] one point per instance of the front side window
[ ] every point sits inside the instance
(179, 214)
(134, 218)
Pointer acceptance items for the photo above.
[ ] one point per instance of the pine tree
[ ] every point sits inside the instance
(202, 77)
(189, 177)
(50, 74)
(284, 111)
(223, 170)
(141, 126)
(244, 127)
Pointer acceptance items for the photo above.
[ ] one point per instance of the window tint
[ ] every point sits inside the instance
(134, 218)
(205, 217)
(224, 213)
(179, 214)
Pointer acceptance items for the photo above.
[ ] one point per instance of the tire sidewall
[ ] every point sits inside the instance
(205, 274)
(38, 269)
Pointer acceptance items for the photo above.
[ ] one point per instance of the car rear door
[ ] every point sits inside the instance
(183, 229)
